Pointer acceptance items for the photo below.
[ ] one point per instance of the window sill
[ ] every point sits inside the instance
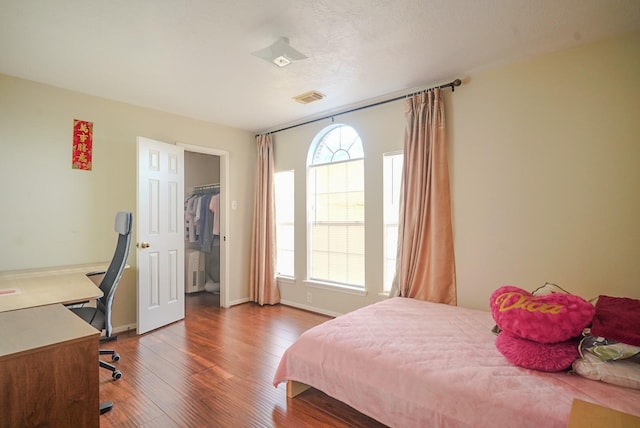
(335, 287)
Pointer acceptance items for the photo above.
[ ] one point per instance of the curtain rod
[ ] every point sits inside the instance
(451, 85)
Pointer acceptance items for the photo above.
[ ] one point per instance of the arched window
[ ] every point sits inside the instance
(335, 165)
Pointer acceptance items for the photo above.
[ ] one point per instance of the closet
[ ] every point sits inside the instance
(202, 222)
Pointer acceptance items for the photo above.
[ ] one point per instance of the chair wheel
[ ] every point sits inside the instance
(116, 375)
(115, 357)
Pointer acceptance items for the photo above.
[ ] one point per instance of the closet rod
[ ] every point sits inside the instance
(451, 85)
(206, 186)
(203, 188)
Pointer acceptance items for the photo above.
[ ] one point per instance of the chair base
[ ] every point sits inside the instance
(105, 406)
(115, 373)
(114, 355)
(107, 338)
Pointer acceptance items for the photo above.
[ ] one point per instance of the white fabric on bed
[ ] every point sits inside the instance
(410, 363)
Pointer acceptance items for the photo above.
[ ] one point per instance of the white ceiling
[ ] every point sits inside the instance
(193, 57)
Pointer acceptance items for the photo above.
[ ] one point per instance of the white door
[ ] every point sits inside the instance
(160, 229)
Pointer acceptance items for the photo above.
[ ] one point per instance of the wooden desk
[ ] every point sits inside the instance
(48, 369)
(589, 415)
(31, 288)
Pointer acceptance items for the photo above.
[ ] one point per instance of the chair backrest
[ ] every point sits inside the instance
(109, 283)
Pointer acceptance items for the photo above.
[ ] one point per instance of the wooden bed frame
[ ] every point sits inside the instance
(295, 388)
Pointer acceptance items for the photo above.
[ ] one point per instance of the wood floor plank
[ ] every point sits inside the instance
(215, 369)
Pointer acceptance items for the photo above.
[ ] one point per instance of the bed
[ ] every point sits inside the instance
(410, 363)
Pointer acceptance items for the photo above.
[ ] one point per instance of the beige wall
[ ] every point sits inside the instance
(544, 160)
(545, 173)
(200, 168)
(53, 215)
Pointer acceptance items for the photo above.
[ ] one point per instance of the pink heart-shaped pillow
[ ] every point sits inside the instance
(548, 357)
(551, 318)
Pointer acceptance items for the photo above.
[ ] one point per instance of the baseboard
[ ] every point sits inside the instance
(129, 327)
(310, 308)
(239, 301)
(124, 328)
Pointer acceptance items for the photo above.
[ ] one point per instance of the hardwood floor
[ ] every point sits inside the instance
(214, 369)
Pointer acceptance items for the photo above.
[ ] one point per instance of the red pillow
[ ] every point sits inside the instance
(617, 318)
(548, 357)
(551, 318)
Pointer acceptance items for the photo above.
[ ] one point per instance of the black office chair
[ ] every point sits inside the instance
(100, 316)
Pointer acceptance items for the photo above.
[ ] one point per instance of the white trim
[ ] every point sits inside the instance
(393, 153)
(125, 328)
(238, 302)
(202, 149)
(278, 197)
(225, 241)
(310, 308)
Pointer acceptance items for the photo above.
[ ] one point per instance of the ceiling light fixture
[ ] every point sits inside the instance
(280, 53)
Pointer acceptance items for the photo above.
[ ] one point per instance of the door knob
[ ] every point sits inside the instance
(143, 245)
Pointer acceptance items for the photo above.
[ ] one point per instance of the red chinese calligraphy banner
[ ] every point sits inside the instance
(82, 144)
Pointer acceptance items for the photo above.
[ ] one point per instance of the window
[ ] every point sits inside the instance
(392, 170)
(336, 207)
(283, 182)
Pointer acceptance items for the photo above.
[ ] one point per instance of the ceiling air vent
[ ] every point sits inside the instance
(309, 97)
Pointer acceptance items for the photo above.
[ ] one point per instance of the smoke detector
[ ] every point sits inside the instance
(309, 97)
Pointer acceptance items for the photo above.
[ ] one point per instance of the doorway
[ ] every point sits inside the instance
(206, 272)
(161, 231)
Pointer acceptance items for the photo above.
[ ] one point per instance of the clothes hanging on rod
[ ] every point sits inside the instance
(201, 214)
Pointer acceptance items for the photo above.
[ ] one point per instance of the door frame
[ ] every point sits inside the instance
(224, 207)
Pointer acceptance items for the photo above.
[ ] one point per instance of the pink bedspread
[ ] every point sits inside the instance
(410, 363)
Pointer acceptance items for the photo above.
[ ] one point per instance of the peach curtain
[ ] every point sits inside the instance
(425, 265)
(263, 288)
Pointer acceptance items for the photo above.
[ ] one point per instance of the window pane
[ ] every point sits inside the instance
(339, 143)
(320, 265)
(336, 207)
(356, 269)
(355, 176)
(285, 263)
(355, 239)
(389, 272)
(284, 233)
(322, 207)
(338, 268)
(338, 174)
(336, 204)
(356, 206)
(391, 241)
(320, 176)
(284, 202)
(332, 141)
(320, 237)
(392, 166)
(338, 239)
